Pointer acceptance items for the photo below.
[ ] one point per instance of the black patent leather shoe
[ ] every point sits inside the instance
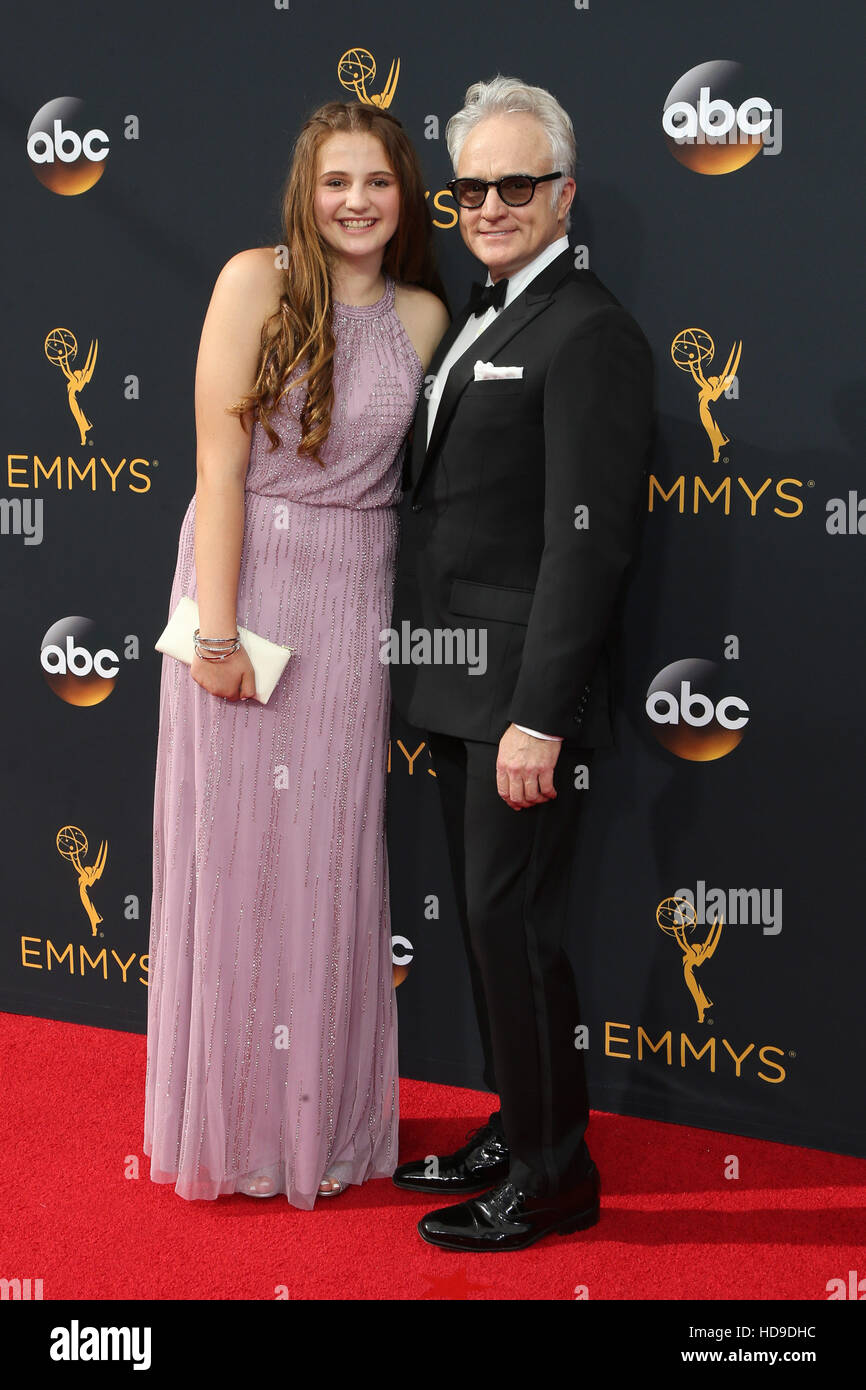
(483, 1161)
(508, 1219)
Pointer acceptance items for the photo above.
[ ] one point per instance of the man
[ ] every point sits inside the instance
(523, 490)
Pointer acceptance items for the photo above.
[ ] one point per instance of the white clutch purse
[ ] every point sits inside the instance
(269, 659)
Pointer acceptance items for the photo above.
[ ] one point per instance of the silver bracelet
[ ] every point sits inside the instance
(230, 651)
(215, 648)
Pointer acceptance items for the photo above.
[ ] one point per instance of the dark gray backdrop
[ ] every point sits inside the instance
(767, 255)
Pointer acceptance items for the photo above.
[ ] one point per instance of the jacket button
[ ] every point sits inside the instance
(416, 506)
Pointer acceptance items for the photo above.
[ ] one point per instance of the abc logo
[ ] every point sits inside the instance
(67, 152)
(401, 958)
(75, 663)
(692, 712)
(711, 123)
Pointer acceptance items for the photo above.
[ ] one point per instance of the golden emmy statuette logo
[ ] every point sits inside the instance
(677, 918)
(357, 67)
(61, 346)
(72, 844)
(690, 349)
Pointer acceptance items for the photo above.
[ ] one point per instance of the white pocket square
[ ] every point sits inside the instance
(485, 371)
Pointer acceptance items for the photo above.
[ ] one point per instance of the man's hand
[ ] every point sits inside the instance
(524, 768)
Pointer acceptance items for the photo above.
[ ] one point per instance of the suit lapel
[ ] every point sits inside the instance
(419, 436)
(528, 305)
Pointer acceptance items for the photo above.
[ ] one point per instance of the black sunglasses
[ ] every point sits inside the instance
(515, 190)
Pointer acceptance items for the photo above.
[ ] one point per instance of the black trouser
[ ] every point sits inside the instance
(512, 871)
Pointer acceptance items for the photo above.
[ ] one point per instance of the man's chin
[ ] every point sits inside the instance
(495, 255)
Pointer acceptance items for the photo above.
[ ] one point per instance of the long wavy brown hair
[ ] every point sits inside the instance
(301, 328)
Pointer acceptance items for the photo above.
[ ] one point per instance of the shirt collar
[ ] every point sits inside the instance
(521, 278)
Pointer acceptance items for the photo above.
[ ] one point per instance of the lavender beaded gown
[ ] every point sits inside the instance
(272, 1023)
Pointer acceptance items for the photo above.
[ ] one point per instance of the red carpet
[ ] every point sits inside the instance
(672, 1225)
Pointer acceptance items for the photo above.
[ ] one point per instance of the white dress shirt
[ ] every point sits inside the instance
(472, 329)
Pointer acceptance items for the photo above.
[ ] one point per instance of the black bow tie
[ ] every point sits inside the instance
(482, 297)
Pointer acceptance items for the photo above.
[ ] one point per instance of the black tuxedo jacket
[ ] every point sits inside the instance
(492, 535)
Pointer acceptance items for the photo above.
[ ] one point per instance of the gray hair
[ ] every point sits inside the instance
(502, 95)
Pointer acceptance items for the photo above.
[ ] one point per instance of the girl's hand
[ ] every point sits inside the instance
(232, 679)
